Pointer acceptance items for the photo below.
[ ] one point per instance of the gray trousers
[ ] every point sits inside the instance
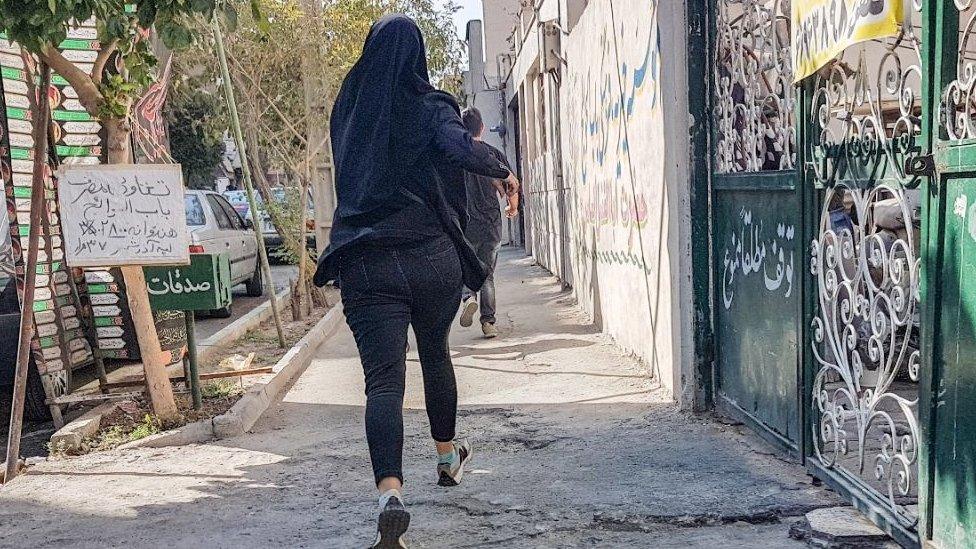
(488, 254)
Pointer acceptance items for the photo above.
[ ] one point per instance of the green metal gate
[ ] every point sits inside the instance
(949, 501)
(859, 352)
(866, 127)
(757, 231)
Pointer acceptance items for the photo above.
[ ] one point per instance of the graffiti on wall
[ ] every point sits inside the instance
(750, 252)
(614, 95)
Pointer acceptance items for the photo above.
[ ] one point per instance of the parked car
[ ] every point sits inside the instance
(272, 239)
(34, 407)
(216, 227)
(238, 199)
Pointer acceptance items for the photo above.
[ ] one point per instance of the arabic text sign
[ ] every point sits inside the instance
(202, 285)
(123, 215)
(823, 28)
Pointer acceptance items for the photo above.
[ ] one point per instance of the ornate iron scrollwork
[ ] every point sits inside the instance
(866, 111)
(754, 92)
(958, 114)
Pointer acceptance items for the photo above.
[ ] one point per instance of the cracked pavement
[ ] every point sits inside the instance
(574, 447)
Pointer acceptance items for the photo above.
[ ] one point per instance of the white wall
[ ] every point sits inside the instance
(618, 219)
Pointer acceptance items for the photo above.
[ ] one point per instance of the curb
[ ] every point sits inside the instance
(258, 398)
(253, 318)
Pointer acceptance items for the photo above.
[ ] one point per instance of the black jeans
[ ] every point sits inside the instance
(385, 289)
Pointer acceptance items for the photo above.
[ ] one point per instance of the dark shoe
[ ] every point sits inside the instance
(449, 474)
(392, 524)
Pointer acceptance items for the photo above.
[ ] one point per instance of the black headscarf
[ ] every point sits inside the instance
(381, 123)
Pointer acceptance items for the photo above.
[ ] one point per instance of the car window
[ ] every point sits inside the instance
(235, 219)
(236, 197)
(194, 211)
(222, 220)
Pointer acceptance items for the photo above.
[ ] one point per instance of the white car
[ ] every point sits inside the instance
(216, 227)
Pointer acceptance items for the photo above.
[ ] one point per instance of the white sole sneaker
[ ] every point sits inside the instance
(452, 477)
(467, 313)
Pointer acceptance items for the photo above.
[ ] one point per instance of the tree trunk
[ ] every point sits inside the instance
(118, 134)
(317, 134)
(118, 141)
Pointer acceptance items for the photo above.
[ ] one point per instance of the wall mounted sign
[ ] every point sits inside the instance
(821, 29)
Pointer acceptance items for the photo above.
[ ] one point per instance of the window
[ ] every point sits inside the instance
(235, 219)
(194, 211)
(222, 220)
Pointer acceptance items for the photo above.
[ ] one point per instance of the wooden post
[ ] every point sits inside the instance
(37, 209)
(193, 373)
(157, 379)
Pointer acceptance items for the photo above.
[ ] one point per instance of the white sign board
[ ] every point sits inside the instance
(130, 214)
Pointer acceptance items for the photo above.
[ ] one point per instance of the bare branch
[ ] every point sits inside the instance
(88, 94)
(98, 70)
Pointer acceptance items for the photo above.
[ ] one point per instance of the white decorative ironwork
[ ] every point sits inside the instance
(865, 338)
(866, 108)
(754, 92)
(959, 97)
(866, 111)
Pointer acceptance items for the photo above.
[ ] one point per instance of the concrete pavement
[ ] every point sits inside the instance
(574, 447)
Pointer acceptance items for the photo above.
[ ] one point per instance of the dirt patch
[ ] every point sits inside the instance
(133, 420)
(263, 340)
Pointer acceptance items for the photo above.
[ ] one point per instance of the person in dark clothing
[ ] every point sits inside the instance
(394, 139)
(484, 228)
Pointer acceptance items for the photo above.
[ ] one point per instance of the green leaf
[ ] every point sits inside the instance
(52, 5)
(264, 26)
(203, 6)
(146, 12)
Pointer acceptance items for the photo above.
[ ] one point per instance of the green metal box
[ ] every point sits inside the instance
(202, 285)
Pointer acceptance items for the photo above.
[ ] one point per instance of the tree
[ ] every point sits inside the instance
(39, 26)
(196, 127)
(287, 70)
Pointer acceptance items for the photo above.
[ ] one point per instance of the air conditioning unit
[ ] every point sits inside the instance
(551, 50)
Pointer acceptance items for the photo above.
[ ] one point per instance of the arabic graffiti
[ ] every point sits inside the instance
(747, 253)
(613, 96)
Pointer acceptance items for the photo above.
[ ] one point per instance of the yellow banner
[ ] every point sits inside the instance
(823, 28)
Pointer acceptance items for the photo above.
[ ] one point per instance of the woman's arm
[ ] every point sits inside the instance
(459, 148)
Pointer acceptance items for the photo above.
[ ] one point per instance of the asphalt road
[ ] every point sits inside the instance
(242, 304)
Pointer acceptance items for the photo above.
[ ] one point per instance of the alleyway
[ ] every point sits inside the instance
(574, 447)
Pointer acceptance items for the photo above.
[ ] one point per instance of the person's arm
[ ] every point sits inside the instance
(459, 148)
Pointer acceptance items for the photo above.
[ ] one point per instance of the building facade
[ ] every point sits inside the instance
(793, 252)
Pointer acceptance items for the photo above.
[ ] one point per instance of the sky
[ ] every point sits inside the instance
(470, 9)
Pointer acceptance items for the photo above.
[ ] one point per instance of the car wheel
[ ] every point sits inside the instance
(35, 408)
(255, 285)
(223, 312)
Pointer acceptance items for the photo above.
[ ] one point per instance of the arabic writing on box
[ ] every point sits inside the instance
(123, 215)
(176, 286)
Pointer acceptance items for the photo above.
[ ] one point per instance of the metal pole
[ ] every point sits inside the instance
(30, 275)
(235, 122)
(191, 351)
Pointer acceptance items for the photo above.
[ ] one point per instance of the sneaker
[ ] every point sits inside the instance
(468, 309)
(392, 523)
(449, 474)
(489, 329)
